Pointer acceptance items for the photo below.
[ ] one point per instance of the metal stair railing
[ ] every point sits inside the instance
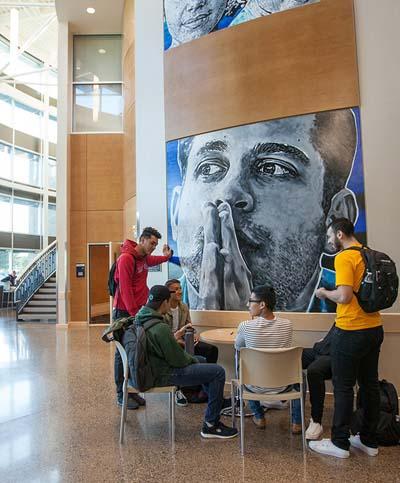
(35, 275)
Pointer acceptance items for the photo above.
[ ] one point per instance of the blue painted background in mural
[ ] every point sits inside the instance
(186, 20)
(266, 248)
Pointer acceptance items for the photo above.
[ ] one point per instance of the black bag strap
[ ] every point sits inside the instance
(151, 323)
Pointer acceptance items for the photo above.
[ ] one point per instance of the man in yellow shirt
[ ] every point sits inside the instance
(355, 347)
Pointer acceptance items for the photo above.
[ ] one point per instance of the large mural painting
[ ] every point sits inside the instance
(186, 20)
(250, 205)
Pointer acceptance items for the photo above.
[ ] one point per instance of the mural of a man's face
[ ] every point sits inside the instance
(265, 7)
(267, 180)
(190, 19)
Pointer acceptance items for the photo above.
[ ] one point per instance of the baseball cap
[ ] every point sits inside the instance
(158, 293)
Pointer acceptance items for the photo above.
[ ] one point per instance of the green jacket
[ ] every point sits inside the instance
(184, 316)
(163, 351)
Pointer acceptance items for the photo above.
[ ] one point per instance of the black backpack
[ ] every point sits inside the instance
(388, 431)
(112, 283)
(135, 342)
(116, 329)
(380, 283)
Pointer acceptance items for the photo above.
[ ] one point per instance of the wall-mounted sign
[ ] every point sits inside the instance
(80, 270)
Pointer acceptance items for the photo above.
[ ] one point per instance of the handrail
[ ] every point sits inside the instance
(41, 269)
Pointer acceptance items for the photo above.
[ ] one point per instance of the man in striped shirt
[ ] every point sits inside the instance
(266, 331)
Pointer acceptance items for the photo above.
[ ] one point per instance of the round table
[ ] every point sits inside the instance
(219, 336)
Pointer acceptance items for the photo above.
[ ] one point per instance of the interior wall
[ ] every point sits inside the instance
(96, 206)
(378, 38)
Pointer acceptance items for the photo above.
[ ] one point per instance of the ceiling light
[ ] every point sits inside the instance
(102, 51)
(91, 10)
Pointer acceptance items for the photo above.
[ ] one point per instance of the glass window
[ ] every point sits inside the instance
(98, 108)
(5, 263)
(53, 129)
(6, 110)
(27, 216)
(28, 120)
(27, 168)
(97, 58)
(52, 219)
(5, 213)
(5, 161)
(52, 174)
(21, 259)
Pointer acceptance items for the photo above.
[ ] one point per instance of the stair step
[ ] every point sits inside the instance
(52, 279)
(37, 317)
(42, 303)
(47, 290)
(44, 296)
(50, 285)
(44, 310)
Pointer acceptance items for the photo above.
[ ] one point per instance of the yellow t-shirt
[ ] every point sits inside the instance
(349, 267)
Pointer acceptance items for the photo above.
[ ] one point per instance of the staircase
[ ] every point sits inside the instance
(36, 292)
(43, 304)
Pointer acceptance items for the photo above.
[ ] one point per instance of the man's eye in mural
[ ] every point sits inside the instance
(209, 171)
(271, 167)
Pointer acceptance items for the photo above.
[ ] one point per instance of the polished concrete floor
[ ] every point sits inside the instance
(59, 423)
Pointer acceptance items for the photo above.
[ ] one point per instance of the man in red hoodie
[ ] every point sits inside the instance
(132, 291)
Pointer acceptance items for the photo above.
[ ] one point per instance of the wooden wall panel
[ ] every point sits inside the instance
(294, 62)
(104, 226)
(130, 218)
(78, 287)
(78, 172)
(128, 25)
(129, 146)
(104, 172)
(129, 77)
(77, 229)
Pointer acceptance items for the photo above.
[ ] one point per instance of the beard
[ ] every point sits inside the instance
(287, 263)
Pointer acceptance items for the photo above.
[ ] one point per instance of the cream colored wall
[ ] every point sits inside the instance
(378, 40)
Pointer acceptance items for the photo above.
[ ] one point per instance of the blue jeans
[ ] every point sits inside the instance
(211, 376)
(258, 411)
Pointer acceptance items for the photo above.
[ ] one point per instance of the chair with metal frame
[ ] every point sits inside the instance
(269, 368)
(127, 388)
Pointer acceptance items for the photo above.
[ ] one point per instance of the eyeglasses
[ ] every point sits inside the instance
(254, 301)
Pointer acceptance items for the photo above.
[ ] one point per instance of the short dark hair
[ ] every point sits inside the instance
(342, 224)
(149, 231)
(334, 136)
(265, 293)
(171, 281)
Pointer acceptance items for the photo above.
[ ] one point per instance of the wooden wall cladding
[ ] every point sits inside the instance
(291, 63)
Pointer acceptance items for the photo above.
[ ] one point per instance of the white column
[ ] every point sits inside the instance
(63, 128)
(150, 125)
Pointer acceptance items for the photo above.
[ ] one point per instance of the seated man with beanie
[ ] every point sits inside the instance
(172, 366)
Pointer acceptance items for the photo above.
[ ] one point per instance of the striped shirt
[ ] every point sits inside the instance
(261, 333)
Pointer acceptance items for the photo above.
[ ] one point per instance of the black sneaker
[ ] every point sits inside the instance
(180, 399)
(219, 431)
(137, 398)
(131, 404)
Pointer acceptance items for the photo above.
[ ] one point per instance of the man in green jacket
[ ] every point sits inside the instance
(172, 366)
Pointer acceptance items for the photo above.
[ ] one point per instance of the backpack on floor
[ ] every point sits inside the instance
(134, 341)
(389, 401)
(388, 430)
(380, 283)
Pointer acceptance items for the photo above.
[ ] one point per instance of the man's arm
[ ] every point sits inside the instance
(341, 295)
(173, 353)
(240, 340)
(126, 270)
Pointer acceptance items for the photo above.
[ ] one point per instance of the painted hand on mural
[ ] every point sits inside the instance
(225, 280)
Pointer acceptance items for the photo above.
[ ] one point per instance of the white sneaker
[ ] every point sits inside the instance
(275, 404)
(325, 446)
(314, 430)
(180, 399)
(356, 442)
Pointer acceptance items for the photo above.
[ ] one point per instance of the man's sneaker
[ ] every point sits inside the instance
(219, 431)
(275, 404)
(356, 442)
(131, 404)
(138, 399)
(259, 422)
(325, 446)
(314, 430)
(180, 399)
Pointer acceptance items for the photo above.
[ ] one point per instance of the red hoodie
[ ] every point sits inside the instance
(131, 276)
